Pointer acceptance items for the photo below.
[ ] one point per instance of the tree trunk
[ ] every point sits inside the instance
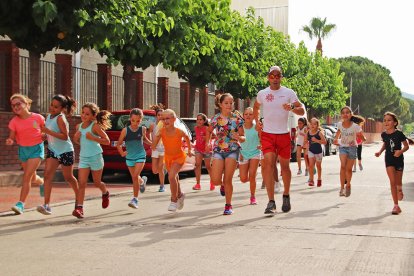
(319, 46)
(34, 80)
(192, 101)
(128, 86)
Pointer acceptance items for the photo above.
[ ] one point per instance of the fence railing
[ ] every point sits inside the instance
(84, 87)
(150, 94)
(117, 93)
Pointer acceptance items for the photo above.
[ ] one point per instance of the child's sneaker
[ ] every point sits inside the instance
(180, 201)
(133, 203)
(44, 209)
(228, 210)
(222, 192)
(105, 200)
(347, 191)
(277, 186)
(172, 207)
(253, 200)
(396, 210)
(78, 212)
(299, 172)
(161, 189)
(319, 183)
(306, 172)
(342, 192)
(360, 167)
(212, 187)
(311, 183)
(286, 203)
(18, 208)
(354, 169)
(271, 207)
(197, 187)
(143, 185)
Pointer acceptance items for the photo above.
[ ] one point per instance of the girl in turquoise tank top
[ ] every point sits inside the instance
(90, 135)
(134, 135)
(250, 154)
(59, 149)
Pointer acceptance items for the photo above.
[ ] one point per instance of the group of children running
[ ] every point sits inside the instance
(228, 141)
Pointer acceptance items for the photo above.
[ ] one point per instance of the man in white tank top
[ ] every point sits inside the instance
(277, 101)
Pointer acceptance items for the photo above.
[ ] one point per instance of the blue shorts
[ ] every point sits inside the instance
(206, 155)
(351, 152)
(95, 162)
(30, 152)
(132, 162)
(224, 155)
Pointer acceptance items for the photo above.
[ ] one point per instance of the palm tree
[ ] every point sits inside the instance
(318, 29)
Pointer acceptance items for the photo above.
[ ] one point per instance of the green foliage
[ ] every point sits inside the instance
(373, 89)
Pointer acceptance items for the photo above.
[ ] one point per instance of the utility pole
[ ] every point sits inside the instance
(350, 91)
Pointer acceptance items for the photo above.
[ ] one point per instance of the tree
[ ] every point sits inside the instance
(318, 28)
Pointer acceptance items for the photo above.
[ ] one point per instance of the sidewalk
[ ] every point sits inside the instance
(61, 194)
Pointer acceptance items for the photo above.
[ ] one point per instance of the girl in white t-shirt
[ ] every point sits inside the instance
(346, 136)
(301, 131)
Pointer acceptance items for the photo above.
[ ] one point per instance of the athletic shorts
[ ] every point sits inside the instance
(132, 162)
(351, 152)
(317, 156)
(157, 154)
(243, 161)
(179, 159)
(65, 159)
(31, 152)
(276, 143)
(205, 155)
(95, 162)
(224, 155)
(396, 162)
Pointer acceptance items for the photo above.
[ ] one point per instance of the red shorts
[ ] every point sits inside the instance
(277, 143)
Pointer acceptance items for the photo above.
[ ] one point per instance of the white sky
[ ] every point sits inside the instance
(382, 31)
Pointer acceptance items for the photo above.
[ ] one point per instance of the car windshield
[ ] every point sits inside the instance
(120, 121)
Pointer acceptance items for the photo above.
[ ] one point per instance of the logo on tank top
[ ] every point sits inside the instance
(270, 97)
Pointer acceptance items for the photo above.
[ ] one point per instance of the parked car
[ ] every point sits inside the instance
(329, 148)
(191, 123)
(115, 162)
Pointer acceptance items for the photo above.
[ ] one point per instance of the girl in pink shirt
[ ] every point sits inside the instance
(25, 129)
(201, 150)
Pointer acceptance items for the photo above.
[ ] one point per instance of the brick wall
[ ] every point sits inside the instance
(8, 154)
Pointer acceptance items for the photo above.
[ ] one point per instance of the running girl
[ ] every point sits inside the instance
(249, 154)
(134, 136)
(157, 162)
(348, 131)
(174, 157)
(90, 135)
(202, 152)
(25, 128)
(230, 134)
(300, 144)
(394, 144)
(315, 139)
(59, 148)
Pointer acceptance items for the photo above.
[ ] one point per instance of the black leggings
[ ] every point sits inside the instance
(359, 151)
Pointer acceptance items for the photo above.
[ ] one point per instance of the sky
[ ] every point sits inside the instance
(382, 31)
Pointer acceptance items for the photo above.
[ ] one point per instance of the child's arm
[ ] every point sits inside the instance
(155, 141)
(102, 138)
(322, 141)
(377, 154)
(76, 137)
(398, 153)
(144, 134)
(209, 131)
(361, 136)
(239, 135)
(335, 141)
(120, 142)
(10, 140)
(64, 132)
(188, 141)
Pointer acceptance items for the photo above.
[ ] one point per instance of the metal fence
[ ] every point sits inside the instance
(117, 93)
(84, 87)
(174, 99)
(150, 94)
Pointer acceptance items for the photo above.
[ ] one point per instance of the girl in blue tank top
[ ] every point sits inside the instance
(59, 148)
(250, 156)
(134, 136)
(90, 135)
(315, 139)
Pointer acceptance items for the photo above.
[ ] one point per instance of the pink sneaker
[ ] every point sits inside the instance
(253, 200)
(197, 187)
(212, 187)
(396, 210)
(311, 183)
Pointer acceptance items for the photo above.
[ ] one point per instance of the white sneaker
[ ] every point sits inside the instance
(277, 186)
(172, 207)
(180, 201)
